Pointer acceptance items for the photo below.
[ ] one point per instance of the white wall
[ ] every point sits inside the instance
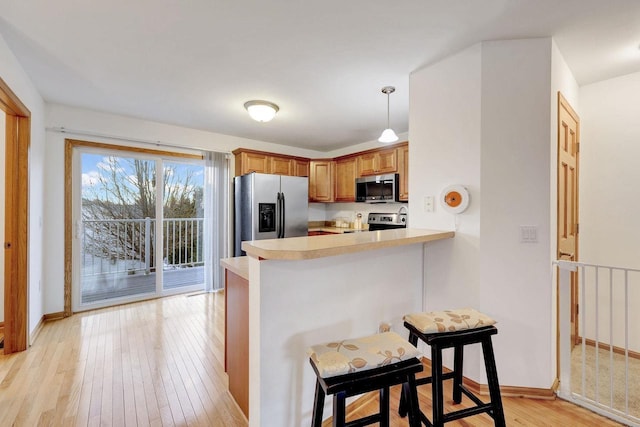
(444, 135)
(481, 118)
(2, 204)
(13, 74)
(609, 202)
(126, 127)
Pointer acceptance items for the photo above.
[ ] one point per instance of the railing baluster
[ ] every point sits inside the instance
(597, 333)
(626, 342)
(611, 337)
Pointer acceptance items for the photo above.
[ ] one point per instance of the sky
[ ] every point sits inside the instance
(93, 165)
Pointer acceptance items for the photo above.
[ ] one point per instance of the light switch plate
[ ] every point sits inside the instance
(428, 203)
(528, 234)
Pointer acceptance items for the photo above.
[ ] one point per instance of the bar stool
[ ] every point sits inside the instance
(455, 328)
(355, 366)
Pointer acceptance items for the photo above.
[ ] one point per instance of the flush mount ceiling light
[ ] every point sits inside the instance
(388, 135)
(261, 111)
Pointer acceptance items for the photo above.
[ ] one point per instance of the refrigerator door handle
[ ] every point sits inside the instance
(282, 227)
(279, 216)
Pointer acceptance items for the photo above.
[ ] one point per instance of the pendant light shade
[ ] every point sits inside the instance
(261, 111)
(388, 135)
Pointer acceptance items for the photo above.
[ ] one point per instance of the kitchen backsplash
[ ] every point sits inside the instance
(348, 211)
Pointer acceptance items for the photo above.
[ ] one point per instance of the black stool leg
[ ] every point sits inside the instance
(318, 406)
(436, 386)
(384, 407)
(402, 407)
(458, 357)
(494, 386)
(339, 412)
(410, 389)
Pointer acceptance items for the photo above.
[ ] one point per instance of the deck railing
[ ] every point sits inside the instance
(597, 362)
(127, 245)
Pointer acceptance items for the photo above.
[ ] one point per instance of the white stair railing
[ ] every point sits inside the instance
(607, 298)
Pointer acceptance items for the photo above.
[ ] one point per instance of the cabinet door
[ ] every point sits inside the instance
(386, 161)
(346, 180)
(367, 164)
(321, 181)
(403, 172)
(253, 162)
(301, 167)
(281, 165)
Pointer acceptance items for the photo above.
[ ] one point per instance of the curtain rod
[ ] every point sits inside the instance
(62, 129)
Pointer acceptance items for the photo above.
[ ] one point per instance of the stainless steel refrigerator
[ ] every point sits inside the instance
(270, 207)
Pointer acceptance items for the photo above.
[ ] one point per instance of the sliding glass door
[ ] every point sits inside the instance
(139, 227)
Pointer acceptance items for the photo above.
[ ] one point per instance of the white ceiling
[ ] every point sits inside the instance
(194, 63)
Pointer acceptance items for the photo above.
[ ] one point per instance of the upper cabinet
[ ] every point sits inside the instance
(252, 161)
(321, 181)
(378, 162)
(331, 180)
(346, 174)
(403, 172)
(248, 161)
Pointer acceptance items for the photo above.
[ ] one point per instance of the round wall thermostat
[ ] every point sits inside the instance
(455, 199)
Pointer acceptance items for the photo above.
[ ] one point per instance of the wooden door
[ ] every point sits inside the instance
(346, 180)
(568, 162)
(16, 261)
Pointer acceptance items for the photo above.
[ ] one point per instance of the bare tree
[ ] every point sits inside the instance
(125, 189)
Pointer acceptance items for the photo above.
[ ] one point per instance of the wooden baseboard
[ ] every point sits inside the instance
(45, 318)
(53, 316)
(480, 389)
(36, 331)
(607, 347)
(505, 391)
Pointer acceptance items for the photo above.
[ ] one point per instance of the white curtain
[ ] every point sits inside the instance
(216, 219)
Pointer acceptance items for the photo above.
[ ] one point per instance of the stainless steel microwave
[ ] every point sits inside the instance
(377, 188)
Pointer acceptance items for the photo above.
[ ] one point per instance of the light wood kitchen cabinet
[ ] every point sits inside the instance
(300, 167)
(378, 162)
(281, 165)
(247, 161)
(321, 181)
(346, 173)
(251, 161)
(403, 172)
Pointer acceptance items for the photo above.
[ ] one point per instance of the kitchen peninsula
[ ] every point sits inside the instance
(307, 290)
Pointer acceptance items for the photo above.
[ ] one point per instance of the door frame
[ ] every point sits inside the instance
(70, 146)
(563, 104)
(16, 243)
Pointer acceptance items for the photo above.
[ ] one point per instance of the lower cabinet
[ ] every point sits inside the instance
(236, 337)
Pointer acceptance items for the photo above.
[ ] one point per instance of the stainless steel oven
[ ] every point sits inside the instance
(386, 221)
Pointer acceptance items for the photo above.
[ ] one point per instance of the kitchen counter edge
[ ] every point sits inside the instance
(301, 248)
(237, 265)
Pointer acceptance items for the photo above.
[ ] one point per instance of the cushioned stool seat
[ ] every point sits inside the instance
(355, 366)
(455, 328)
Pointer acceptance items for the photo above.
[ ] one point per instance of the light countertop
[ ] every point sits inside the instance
(299, 248)
(238, 265)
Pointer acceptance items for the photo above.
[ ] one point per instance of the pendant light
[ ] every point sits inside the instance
(388, 135)
(261, 111)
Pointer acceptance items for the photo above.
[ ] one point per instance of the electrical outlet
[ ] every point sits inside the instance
(428, 203)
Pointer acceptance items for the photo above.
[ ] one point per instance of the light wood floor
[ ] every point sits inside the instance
(161, 362)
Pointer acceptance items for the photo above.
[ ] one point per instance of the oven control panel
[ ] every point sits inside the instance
(392, 219)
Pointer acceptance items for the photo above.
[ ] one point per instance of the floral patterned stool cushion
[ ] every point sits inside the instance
(360, 354)
(448, 320)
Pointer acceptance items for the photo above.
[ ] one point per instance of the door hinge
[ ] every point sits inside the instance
(577, 228)
(577, 147)
(577, 309)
